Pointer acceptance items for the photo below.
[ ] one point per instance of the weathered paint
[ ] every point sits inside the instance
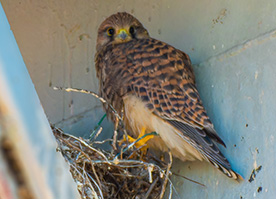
(238, 90)
(57, 40)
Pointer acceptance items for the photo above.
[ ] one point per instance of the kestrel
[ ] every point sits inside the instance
(152, 84)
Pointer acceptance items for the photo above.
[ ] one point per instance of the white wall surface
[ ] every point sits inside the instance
(232, 42)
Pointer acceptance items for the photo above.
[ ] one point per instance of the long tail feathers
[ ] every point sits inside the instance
(228, 172)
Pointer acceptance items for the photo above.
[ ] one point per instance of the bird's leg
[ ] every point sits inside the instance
(142, 139)
(140, 142)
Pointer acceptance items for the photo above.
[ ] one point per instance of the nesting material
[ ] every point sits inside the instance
(105, 174)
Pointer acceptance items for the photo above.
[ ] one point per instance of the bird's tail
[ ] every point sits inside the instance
(227, 171)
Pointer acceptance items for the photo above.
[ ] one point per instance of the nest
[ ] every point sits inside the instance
(123, 172)
(108, 174)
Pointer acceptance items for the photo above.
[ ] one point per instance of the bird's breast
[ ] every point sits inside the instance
(137, 116)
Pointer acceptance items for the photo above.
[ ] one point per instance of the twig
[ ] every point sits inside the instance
(96, 175)
(83, 180)
(115, 134)
(150, 169)
(98, 187)
(166, 176)
(171, 191)
(96, 128)
(98, 133)
(151, 188)
(189, 179)
(82, 142)
(102, 142)
(91, 93)
(88, 158)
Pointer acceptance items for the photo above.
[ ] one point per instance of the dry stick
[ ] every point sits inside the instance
(151, 188)
(189, 179)
(77, 170)
(91, 93)
(96, 175)
(98, 187)
(115, 134)
(171, 191)
(91, 187)
(135, 151)
(118, 118)
(91, 163)
(102, 142)
(166, 176)
(172, 187)
(84, 143)
(98, 133)
(83, 178)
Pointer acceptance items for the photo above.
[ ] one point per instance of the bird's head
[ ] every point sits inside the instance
(119, 28)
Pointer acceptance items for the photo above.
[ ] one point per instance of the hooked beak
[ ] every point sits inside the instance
(123, 34)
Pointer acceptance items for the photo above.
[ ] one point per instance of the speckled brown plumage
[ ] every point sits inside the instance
(161, 77)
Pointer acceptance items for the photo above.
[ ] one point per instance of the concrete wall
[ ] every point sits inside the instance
(238, 90)
(232, 44)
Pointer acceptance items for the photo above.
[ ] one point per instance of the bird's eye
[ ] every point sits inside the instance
(131, 30)
(110, 31)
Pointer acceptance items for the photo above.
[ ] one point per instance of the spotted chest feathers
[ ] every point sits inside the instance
(138, 116)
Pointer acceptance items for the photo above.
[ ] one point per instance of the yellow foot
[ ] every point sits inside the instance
(141, 141)
(142, 138)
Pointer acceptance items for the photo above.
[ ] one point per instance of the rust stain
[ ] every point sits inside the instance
(254, 173)
(220, 17)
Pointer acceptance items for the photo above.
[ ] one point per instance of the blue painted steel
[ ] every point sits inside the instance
(26, 102)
